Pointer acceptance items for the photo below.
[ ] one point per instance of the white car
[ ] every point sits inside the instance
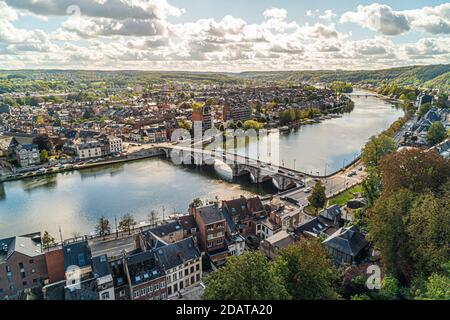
(307, 190)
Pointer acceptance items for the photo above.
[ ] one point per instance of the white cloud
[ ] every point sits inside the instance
(378, 17)
(276, 13)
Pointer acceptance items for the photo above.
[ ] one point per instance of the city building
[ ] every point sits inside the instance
(280, 240)
(22, 264)
(89, 150)
(115, 145)
(346, 245)
(233, 112)
(27, 155)
(146, 277)
(212, 228)
(182, 263)
(202, 118)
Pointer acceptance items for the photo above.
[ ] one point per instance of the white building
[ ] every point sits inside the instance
(89, 150)
(115, 145)
(28, 155)
(236, 246)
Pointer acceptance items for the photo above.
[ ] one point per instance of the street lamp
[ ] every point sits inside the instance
(294, 164)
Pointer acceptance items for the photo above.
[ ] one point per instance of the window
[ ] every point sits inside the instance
(163, 284)
(192, 269)
(180, 274)
(150, 289)
(136, 294)
(105, 295)
(122, 293)
(186, 272)
(181, 285)
(31, 261)
(197, 267)
(198, 277)
(144, 292)
(157, 286)
(192, 279)
(175, 287)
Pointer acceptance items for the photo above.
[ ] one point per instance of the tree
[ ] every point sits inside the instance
(436, 133)
(43, 142)
(47, 240)
(252, 124)
(103, 227)
(44, 155)
(197, 202)
(376, 149)
(127, 223)
(152, 217)
(414, 169)
(372, 187)
(245, 277)
(387, 230)
(306, 271)
(391, 289)
(318, 198)
(437, 288)
(428, 229)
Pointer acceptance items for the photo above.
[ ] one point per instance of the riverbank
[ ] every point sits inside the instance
(81, 165)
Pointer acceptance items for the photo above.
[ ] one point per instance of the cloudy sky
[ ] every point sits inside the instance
(216, 35)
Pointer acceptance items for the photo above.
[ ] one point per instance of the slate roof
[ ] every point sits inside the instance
(210, 214)
(77, 254)
(237, 207)
(100, 266)
(347, 240)
(331, 213)
(165, 229)
(177, 253)
(312, 226)
(143, 267)
(26, 245)
(188, 223)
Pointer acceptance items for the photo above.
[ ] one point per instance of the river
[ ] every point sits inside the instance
(75, 200)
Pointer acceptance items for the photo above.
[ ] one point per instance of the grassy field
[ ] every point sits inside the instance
(344, 197)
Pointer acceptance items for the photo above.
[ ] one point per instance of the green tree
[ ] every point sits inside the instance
(245, 277)
(437, 288)
(391, 289)
(197, 202)
(372, 187)
(103, 227)
(44, 155)
(376, 149)
(306, 270)
(47, 240)
(127, 223)
(436, 133)
(387, 230)
(428, 228)
(252, 124)
(318, 197)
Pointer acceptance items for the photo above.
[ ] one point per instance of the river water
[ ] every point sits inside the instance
(75, 201)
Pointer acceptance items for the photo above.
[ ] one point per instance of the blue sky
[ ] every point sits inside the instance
(232, 35)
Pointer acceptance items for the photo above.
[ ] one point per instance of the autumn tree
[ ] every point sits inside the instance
(127, 223)
(306, 270)
(318, 197)
(376, 149)
(47, 240)
(414, 169)
(245, 277)
(103, 227)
